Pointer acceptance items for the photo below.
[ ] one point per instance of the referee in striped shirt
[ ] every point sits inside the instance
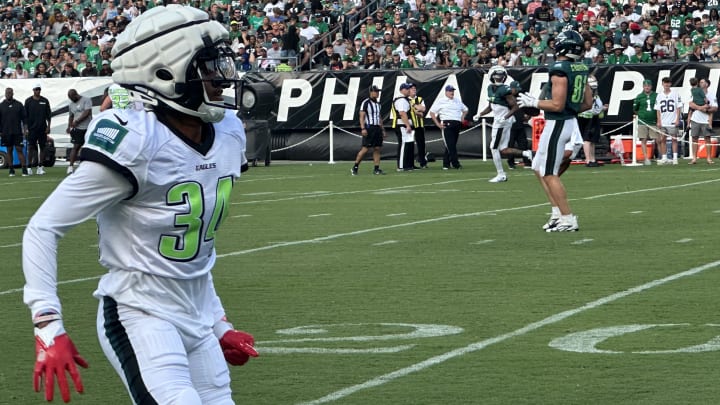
(372, 130)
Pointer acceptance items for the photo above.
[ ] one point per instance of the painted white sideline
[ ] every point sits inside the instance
(473, 347)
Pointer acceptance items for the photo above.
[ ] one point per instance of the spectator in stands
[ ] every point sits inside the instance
(685, 48)
(444, 61)
(41, 25)
(105, 69)
(274, 53)
(697, 54)
(20, 72)
(323, 58)
(89, 70)
(31, 63)
(664, 48)
(640, 56)
(41, 71)
(110, 12)
(395, 62)
(617, 57)
(351, 60)
(309, 32)
(69, 70)
(336, 62)
(371, 60)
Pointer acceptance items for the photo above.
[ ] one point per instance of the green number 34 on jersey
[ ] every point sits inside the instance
(187, 246)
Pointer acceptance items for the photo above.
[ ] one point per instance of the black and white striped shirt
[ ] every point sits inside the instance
(372, 112)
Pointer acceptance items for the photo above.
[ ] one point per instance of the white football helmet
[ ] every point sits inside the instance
(165, 56)
(498, 75)
(592, 82)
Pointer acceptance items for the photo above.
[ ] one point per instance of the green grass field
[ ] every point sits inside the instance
(432, 287)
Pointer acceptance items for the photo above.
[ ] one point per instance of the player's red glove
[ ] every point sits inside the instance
(56, 354)
(237, 347)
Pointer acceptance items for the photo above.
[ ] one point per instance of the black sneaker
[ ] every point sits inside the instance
(12, 172)
(378, 172)
(354, 171)
(24, 172)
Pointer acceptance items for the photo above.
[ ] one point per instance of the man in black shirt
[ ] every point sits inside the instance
(12, 118)
(38, 113)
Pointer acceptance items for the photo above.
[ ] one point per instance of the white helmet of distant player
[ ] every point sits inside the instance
(592, 82)
(498, 75)
(165, 56)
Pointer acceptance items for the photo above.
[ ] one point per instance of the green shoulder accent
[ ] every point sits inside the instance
(107, 135)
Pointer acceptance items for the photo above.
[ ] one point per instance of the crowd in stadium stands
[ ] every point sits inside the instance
(74, 37)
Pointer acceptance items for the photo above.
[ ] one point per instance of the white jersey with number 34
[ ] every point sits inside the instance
(181, 192)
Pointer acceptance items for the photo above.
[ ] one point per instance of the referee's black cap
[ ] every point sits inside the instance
(374, 88)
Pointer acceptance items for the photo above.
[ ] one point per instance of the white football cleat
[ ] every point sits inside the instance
(498, 179)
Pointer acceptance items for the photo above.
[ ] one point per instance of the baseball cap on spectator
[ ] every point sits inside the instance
(388, 32)
(647, 82)
(634, 26)
(304, 19)
(274, 40)
(637, 45)
(515, 85)
(612, 25)
(413, 20)
(413, 42)
(449, 87)
(105, 62)
(241, 45)
(506, 18)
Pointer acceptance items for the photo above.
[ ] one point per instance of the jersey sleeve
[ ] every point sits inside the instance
(88, 191)
(116, 139)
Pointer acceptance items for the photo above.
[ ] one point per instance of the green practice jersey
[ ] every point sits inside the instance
(577, 76)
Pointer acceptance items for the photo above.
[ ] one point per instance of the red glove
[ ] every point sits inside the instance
(237, 347)
(56, 354)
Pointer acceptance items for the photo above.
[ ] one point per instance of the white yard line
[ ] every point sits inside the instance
(473, 347)
(382, 228)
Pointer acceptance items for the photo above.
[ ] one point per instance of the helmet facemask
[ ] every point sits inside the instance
(211, 72)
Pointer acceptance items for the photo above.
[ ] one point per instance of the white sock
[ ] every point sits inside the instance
(555, 212)
(675, 156)
(497, 160)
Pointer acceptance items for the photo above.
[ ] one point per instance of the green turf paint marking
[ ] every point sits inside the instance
(473, 347)
(685, 240)
(582, 241)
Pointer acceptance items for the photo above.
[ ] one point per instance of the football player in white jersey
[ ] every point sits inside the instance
(667, 105)
(159, 183)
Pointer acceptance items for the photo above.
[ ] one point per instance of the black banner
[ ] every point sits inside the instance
(309, 100)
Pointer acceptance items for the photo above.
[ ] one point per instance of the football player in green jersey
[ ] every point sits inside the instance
(566, 94)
